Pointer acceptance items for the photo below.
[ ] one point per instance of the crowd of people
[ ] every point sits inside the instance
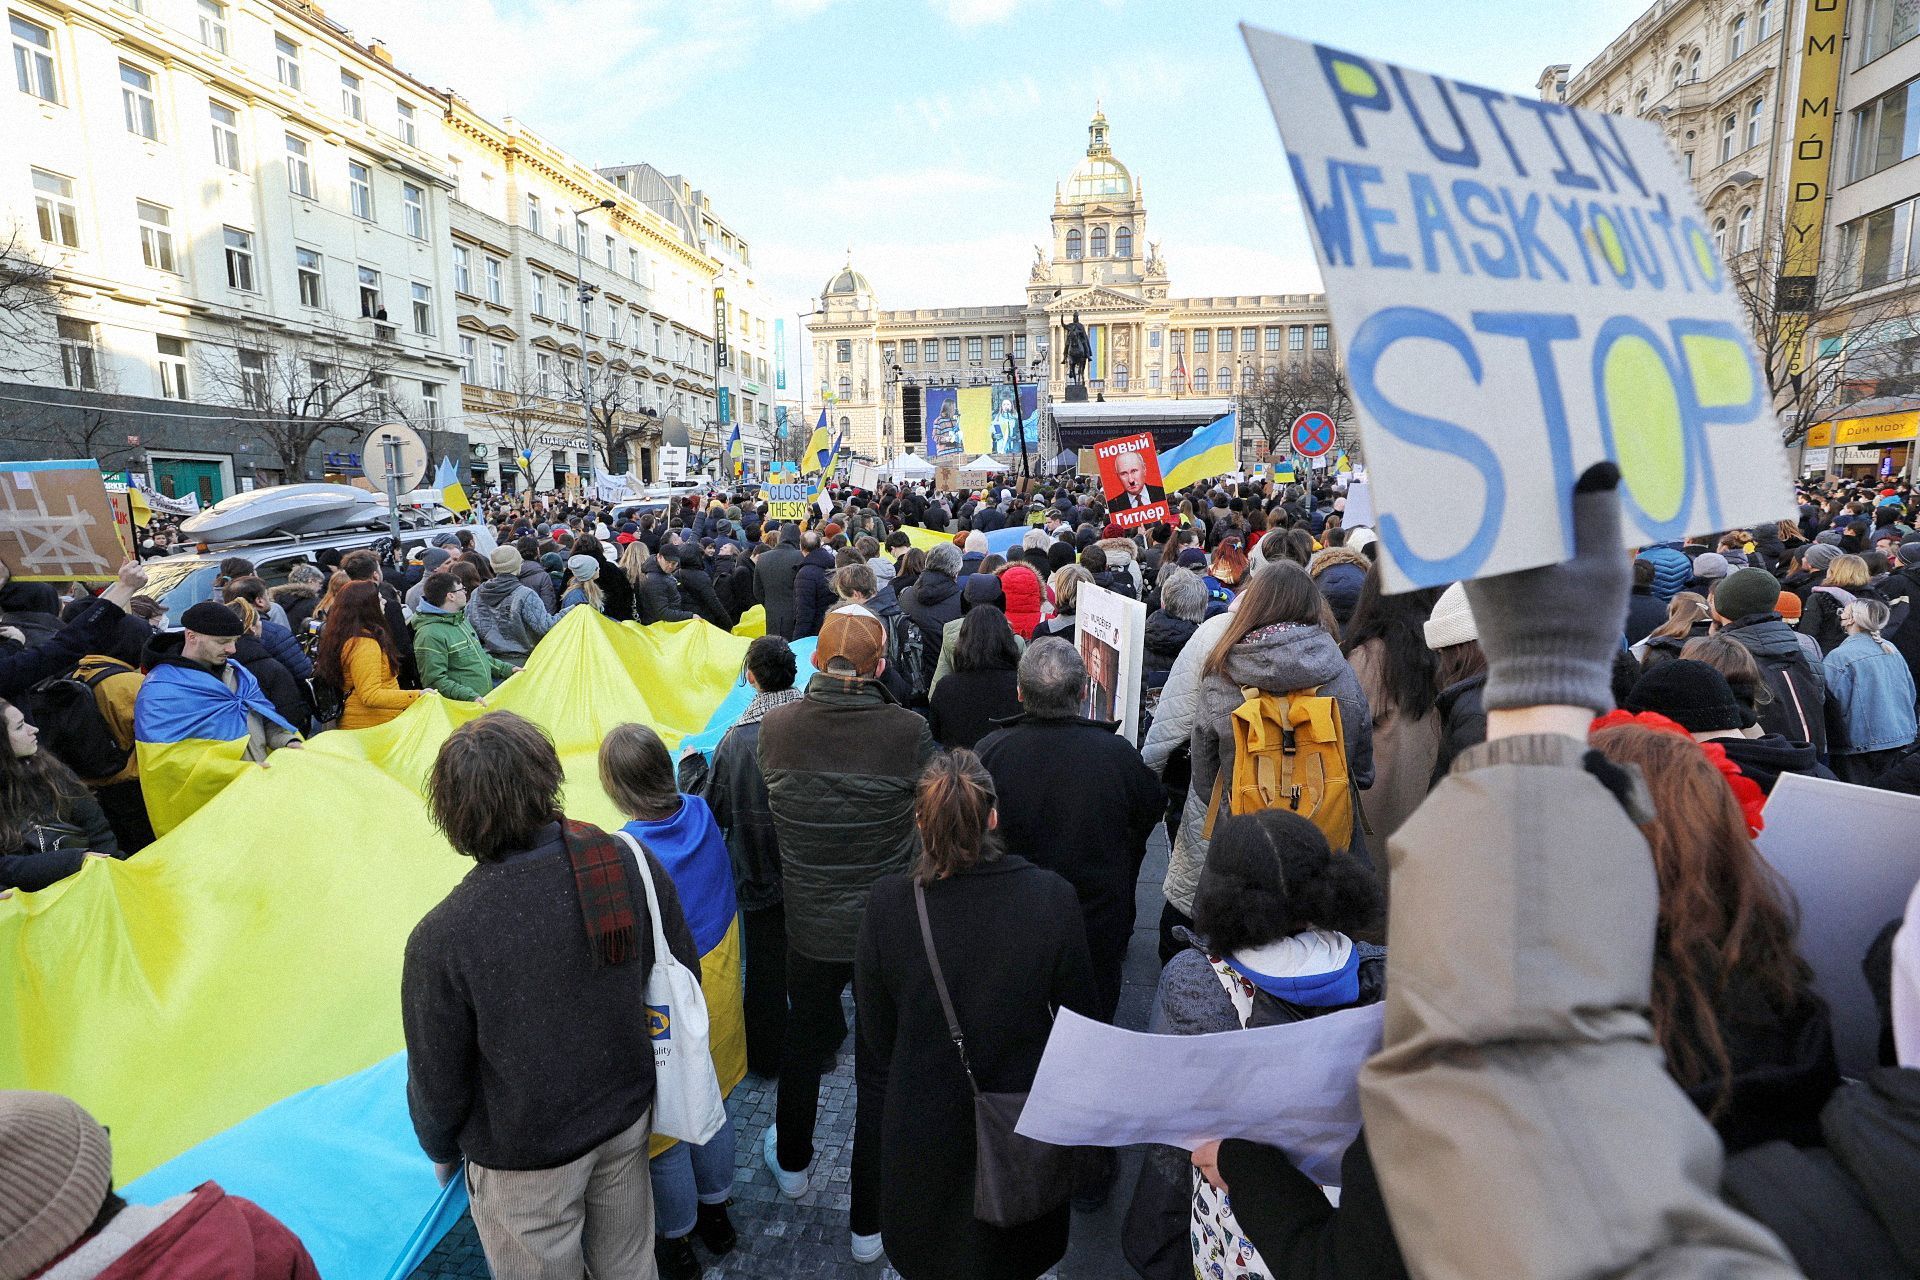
(1598, 997)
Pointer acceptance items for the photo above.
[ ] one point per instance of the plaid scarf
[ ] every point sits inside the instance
(606, 895)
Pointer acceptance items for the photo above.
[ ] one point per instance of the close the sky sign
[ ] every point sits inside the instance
(1520, 290)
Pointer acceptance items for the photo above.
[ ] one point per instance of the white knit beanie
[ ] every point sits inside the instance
(1452, 621)
(56, 1167)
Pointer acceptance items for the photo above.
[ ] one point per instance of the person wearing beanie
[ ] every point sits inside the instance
(432, 560)
(1340, 573)
(1708, 568)
(583, 585)
(1461, 676)
(507, 614)
(1274, 918)
(57, 1200)
(1671, 570)
(1742, 606)
(698, 591)
(1691, 694)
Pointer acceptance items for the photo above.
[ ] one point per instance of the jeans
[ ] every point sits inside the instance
(685, 1176)
(815, 1024)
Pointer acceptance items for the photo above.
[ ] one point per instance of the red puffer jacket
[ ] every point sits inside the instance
(1025, 596)
(212, 1236)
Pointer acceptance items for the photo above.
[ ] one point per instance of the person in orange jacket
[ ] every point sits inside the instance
(358, 656)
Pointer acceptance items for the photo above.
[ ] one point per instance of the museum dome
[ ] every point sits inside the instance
(1099, 176)
(846, 281)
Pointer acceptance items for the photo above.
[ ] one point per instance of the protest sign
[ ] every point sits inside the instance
(1848, 887)
(1130, 478)
(1359, 505)
(1521, 290)
(787, 501)
(1111, 634)
(57, 523)
(866, 475)
(1101, 1086)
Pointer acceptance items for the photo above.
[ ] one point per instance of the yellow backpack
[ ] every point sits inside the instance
(1289, 752)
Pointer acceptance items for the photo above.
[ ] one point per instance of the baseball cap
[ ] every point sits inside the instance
(852, 635)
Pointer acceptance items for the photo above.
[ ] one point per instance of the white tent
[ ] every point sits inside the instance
(908, 466)
(983, 465)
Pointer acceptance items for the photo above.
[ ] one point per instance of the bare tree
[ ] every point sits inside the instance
(1824, 341)
(306, 390)
(612, 397)
(526, 419)
(1278, 396)
(28, 296)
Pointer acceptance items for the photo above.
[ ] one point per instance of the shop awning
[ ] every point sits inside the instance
(1878, 428)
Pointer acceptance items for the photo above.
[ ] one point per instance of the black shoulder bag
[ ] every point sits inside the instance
(1016, 1179)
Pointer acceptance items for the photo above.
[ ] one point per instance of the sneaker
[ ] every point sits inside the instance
(867, 1248)
(792, 1185)
(676, 1258)
(715, 1229)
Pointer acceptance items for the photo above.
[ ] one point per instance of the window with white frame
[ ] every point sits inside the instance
(1297, 338)
(413, 210)
(1153, 379)
(496, 290)
(562, 302)
(55, 210)
(497, 365)
(430, 402)
(213, 25)
(156, 235)
(353, 102)
(1019, 346)
(996, 348)
(225, 122)
(253, 378)
(1200, 378)
(1202, 340)
(469, 360)
(462, 269)
(136, 101)
(608, 244)
(360, 190)
(1756, 114)
(1743, 230)
(543, 372)
(371, 306)
(1888, 25)
(633, 264)
(172, 368)
(405, 123)
(307, 270)
(286, 62)
(33, 59)
(1763, 20)
(953, 350)
(1273, 337)
(1321, 336)
(77, 359)
(540, 293)
(973, 350)
(1249, 339)
(239, 254)
(1728, 131)
(299, 167)
(1720, 236)
(533, 214)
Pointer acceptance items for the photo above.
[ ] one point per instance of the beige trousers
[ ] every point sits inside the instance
(590, 1217)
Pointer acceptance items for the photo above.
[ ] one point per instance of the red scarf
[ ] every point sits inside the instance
(606, 894)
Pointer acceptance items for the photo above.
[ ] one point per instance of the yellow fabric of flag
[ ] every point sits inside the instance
(255, 950)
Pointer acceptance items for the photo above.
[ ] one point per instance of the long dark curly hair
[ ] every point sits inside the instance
(357, 613)
(33, 789)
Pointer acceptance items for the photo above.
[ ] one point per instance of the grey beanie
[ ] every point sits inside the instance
(1820, 555)
(1910, 551)
(1711, 564)
(56, 1167)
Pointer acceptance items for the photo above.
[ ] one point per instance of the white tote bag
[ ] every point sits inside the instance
(686, 1093)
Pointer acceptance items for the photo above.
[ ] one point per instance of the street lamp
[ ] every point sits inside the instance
(1019, 421)
(584, 292)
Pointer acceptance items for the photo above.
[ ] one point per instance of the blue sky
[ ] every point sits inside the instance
(927, 135)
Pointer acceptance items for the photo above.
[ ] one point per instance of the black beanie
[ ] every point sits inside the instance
(1692, 694)
(211, 618)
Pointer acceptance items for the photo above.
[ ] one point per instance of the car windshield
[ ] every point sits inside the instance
(179, 583)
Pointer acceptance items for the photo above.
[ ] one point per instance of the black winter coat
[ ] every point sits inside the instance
(733, 584)
(812, 592)
(696, 591)
(737, 793)
(1012, 953)
(1299, 1234)
(1166, 637)
(841, 766)
(965, 705)
(773, 576)
(1463, 721)
(1076, 798)
(55, 845)
(284, 690)
(657, 598)
(1645, 612)
(92, 630)
(932, 602)
(616, 592)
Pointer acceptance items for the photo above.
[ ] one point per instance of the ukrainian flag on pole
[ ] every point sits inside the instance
(1211, 451)
(831, 456)
(735, 452)
(820, 449)
(447, 481)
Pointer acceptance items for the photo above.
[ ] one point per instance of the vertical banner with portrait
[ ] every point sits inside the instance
(943, 421)
(1016, 412)
(1111, 633)
(1130, 479)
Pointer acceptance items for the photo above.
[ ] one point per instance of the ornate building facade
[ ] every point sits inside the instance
(1173, 360)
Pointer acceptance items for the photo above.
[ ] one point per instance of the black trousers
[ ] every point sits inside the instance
(763, 937)
(815, 1024)
(126, 812)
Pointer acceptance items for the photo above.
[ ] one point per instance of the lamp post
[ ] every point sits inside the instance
(584, 292)
(1019, 421)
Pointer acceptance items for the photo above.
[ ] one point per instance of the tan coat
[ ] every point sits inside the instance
(1404, 752)
(1519, 1113)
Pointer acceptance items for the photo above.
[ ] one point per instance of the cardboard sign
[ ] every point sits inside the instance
(57, 523)
(1520, 290)
(1130, 478)
(1111, 634)
(1848, 889)
(787, 502)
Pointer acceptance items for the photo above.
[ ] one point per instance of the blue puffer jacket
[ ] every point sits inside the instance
(1671, 570)
(285, 650)
(1874, 689)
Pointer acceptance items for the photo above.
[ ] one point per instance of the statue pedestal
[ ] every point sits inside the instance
(1076, 393)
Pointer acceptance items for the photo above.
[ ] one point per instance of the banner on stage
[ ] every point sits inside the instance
(1130, 478)
(1520, 289)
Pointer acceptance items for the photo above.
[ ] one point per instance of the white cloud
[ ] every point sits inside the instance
(976, 13)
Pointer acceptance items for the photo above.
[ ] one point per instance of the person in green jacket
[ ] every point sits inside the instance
(446, 647)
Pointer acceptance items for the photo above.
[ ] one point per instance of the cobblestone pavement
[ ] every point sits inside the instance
(807, 1238)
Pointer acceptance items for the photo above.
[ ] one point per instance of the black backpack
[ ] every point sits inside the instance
(72, 727)
(1798, 705)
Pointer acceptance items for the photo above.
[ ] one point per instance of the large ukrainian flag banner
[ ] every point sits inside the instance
(227, 1002)
(190, 736)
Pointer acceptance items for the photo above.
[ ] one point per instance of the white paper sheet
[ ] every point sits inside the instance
(1294, 1087)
